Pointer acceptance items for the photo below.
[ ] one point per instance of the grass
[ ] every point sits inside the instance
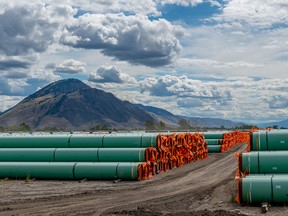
(27, 180)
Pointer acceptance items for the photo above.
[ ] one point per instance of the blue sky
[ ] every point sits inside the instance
(205, 58)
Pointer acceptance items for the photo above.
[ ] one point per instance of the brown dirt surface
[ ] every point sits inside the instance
(206, 187)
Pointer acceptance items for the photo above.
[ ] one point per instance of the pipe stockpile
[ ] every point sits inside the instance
(75, 155)
(78, 141)
(262, 173)
(214, 145)
(70, 170)
(264, 162)
(223, 141)
(178, 149)
(269, 140)
(101, 156)
(263, 188)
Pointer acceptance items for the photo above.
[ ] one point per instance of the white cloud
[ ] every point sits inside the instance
(14, 62)
(278, 101)
(208, 109)
(23, 83)
(190, 102)
(216, 51)
(256, 13)
(243, 98)
(30, 27)
(144, 7)
(69, 66)
(9, 101)
(135, 39)
(47, 76)
(183, 87)
(188, 2)
(12, 87)
(110, 74)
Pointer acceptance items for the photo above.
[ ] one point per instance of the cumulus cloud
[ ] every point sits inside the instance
(135, 39)
(256, 13)
(43, 75)
(110, 74)
(14, 75)
(183, 87)
(12, 87)
(144, 7)
(188, 2)
(9, 101)
(23, 83)
(190, 102)
(30, 27)
(69, 66)
(208, 109)
(7, 63)
(278, 102)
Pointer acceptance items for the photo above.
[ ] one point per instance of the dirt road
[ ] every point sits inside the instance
(205, 187)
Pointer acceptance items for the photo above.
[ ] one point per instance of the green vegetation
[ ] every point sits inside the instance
(23, 127)
(102, 128)
(150, 125)
(184, 124)
(27, 179)
(52, 129)
(245, 127)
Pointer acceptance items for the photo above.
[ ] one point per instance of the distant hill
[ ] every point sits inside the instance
(71, 104)
(173, 120)
(283, 124)
(212, 122)
(161, 115)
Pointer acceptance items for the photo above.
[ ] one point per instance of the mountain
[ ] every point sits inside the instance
(212, 122)
(71, 104)
(161, 115)
(283, 124)
(173, 120)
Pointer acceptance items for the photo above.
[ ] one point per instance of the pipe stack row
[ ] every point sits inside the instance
(263, 172)
(223, 141)
(96, 156)
(175, 150)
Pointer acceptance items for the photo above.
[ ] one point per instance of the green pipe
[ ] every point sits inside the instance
(34, 141)
(264, 162)
(259, 141)
(258, 189)
(73, 154)
(27, 154)
(269, 140)
(149, 140)
(214, 141)
(129, 140)
(79, 140)
(76, 155)
(213, 135)
(86, 141)
(38, 170)
(105, 171)
(214, 148)
(122, 154)
(69, 170)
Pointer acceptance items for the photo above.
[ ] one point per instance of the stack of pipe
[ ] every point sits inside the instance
(223, 141)
(96, 156)
(177, 149)
(263, 173)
